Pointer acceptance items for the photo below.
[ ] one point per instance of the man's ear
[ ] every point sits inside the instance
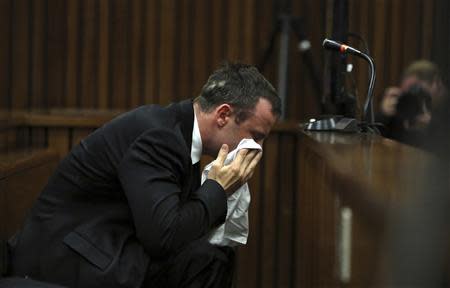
(223, 113)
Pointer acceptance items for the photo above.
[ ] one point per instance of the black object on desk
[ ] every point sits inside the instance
(334, 123)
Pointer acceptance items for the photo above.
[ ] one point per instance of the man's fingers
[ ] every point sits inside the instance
(252, 165)
(247, 160)
(223, 152)
(255, 160)
(249, 176)
(240, 157)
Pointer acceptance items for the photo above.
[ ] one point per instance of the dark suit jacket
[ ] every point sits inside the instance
(123, 199)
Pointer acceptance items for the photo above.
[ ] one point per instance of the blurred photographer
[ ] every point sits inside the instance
(421, 73)
(413, 116)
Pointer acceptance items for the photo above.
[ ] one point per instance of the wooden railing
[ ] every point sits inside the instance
(23, 174)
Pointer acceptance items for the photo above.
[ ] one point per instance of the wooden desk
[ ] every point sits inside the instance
(23, 174)
(349, 184)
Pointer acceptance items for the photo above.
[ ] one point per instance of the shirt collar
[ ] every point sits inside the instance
(196, 148)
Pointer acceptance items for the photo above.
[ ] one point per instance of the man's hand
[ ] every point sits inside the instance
(238, 172)
(389, 101)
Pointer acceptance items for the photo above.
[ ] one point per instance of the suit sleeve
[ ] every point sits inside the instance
(151, 174)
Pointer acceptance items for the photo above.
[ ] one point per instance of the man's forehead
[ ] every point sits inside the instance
(261, 122)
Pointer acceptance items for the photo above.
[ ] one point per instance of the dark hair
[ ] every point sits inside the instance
(239, 85)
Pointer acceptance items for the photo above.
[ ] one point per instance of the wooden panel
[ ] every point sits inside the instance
(360, 65)
(441, 38)
(22, 138)
(95, 54)
(136, 53)
(247, 33)
(63, 118)
(380, 36)
(248, 264)
(5, 52)
(21, 193)
(412, 31)
(23, 174)
(167, 52)
(3, 238)
(200, 43)
(427, 28)
(316, 221)
(218, 28)
(3, 139)
(335, 172)
(152, 55)
(119, 54)
(103, 54)
(304, 102)
(73, 62)
(265, 10)
(269, 210)
(234, 43)
(38, 137)
(11, 139)
(19, 53)
(185, 51)
(38, 54)
(89, 56)
(285, 215)
(8, 138)
(396, 41)
(59, 140)
(56, 52)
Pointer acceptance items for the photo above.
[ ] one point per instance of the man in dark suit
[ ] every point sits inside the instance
(125, 208)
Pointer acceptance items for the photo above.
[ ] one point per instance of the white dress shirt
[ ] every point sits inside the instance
(235, 229)
(196, 148)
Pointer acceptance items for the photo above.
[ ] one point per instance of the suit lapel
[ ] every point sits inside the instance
(184, 112)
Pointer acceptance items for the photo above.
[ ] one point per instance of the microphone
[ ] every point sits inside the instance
(344, 49)
(341, 48)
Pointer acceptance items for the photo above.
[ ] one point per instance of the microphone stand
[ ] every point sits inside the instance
(368, 105)
(343, 124)
(284, 24)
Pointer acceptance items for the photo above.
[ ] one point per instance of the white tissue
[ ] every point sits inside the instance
(235, 229)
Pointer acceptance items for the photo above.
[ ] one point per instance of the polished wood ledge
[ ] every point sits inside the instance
(349, 186)
(85, 118)
(379, 171)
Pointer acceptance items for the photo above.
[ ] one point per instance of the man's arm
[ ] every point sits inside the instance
(151, 174)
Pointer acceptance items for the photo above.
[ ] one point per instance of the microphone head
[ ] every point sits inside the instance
(331, 45)
(341, 48)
